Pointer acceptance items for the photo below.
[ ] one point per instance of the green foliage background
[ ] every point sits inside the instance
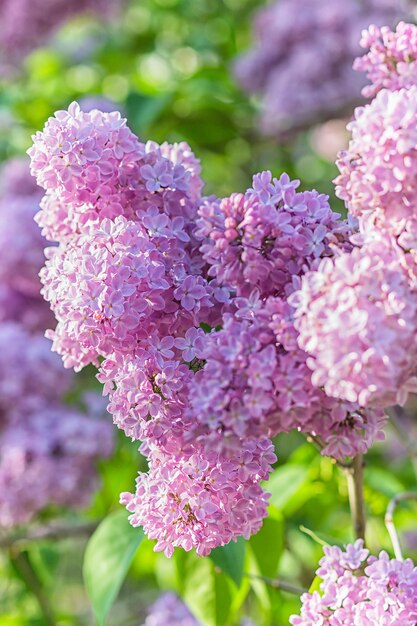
(168, 63)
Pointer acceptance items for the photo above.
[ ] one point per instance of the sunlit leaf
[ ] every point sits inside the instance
(107, 559)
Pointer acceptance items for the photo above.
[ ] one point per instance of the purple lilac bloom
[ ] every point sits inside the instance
(28, 24)
(310, 44)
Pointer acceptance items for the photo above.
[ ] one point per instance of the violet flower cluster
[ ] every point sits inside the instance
(145, 272)
(310, 44)
(27, 24)
(48, 451)
(169, 610)
(356, 313)
(357, 588)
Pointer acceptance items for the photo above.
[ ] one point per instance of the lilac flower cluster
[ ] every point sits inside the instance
(311, 44)
(372, 294)
(126, 284)
(356, 313)
(143, 265)
(391, 60)
(168, 610)
(40, 438)
(357, 588)
(27, 24)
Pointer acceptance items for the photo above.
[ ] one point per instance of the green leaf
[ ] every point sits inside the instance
(230, 559)
(285, 482)
(268, 545)
(315, 585)
(107, 558)
(208, 594)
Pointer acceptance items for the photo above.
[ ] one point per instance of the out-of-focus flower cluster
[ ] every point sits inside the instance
(168, 610)
(358, 588)
(47, 450)
(301, 60)
(145, 272)
(27, 24)
(356, 313)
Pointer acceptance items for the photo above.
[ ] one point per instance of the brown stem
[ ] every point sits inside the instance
(52, 531)
(354, 475)
(389, 521)
(23, 565)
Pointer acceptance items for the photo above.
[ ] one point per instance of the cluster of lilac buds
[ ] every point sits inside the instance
(48, 451)
(300, 64)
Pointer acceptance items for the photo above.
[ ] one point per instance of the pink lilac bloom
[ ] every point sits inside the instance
(391, 62)
(191, 498)
(93, 168)
(26, 25)
(357, 588)
(263, 238)
(310, 44)
(169, 610)
(48, 458)
(356, 315)
(119, 285)
(377, 177)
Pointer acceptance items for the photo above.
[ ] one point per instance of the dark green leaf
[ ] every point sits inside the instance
(230, 559)
(268, 545)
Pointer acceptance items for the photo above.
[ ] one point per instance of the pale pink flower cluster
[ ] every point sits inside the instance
(358, 588)
(378, 177)
(192, 497)
(357, 313)
(391, 60)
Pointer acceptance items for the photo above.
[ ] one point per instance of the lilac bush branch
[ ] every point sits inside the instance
(50, 532)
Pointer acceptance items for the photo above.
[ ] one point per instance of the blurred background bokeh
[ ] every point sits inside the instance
(249, 87)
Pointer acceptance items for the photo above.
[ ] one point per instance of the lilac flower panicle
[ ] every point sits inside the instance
(360, 589)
